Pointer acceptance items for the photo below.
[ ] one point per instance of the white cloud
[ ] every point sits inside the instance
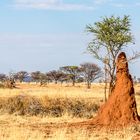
(120, 5)
(50, 5)
(124, 5)
(60, 5)
(99, 2)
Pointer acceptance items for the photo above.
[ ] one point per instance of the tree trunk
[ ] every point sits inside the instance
(55, 81)
(105, 88)
(111, 87)
(88, 84)
(73, 83)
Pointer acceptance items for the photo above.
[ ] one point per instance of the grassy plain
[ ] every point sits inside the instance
(56, 104)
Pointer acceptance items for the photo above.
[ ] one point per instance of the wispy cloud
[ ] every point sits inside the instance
(128, 5)
(100, 2)
(51, 5)
(119, 5)
(61, 5)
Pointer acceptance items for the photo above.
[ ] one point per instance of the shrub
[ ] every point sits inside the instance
(28, 105)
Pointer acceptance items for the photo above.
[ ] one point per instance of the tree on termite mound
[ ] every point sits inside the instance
(72, 72)
(90, 72)
(120, 109)
(109, 36)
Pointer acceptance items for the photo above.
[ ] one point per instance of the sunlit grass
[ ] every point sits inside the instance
(19, 127)
(57, 91)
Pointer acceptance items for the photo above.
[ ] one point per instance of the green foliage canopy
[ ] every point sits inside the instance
(109, 37)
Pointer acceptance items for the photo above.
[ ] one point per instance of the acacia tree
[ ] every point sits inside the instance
(72, 72)
(63, 78)
(55, 75)
(3, 77)
(109, 37)
(36, 76)
(90, 72)
(21, 75)
(39, 77)
(43, 79)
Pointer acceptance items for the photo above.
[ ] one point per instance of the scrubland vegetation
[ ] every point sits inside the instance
(32, 112)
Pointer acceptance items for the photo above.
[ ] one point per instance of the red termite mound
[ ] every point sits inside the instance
(120, 109)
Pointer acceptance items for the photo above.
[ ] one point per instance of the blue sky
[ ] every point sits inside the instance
(46, 34)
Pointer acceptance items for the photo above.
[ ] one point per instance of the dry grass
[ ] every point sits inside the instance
(19, 127)
(55, 91)
(33, 126)
(45, 106)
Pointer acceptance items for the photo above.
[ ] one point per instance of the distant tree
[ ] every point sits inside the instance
(9, 81)
(135, 80)
(36, 76)
(72, 72)
(138, 80)
(48, 78)
(80, 79)
(3, 77)
(21, 75)
(43, 79)
(90, 72)
(109, 37)
(40, 77)
(55, 75)
(64, 78)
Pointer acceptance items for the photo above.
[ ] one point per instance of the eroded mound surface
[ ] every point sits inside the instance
(120, 109)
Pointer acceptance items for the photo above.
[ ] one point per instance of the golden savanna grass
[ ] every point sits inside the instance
(18, 123)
